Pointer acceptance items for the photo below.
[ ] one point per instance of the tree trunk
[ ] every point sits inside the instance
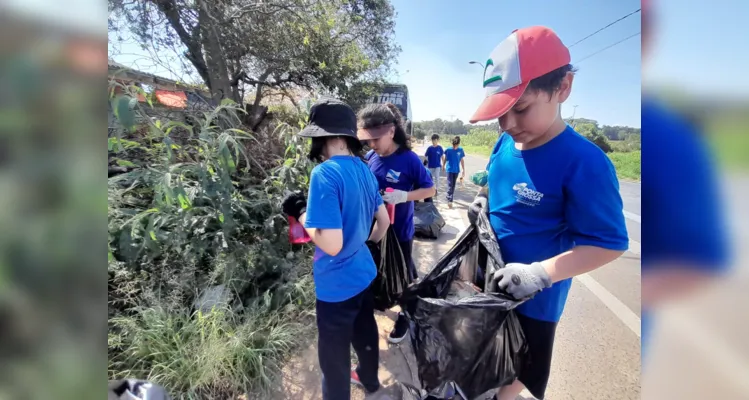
(218, 71)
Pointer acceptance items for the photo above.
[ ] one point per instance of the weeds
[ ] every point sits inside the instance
(197, 207)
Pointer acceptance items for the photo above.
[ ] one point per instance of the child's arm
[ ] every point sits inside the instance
(322, 222)
(382, 222)
(463, 166)
(578, 261)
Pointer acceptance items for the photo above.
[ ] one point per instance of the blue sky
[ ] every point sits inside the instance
(439, 38)
(697, 47)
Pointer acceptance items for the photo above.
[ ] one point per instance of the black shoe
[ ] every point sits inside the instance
(400, 331)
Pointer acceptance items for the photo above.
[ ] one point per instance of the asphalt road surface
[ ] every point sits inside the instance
(597, 349)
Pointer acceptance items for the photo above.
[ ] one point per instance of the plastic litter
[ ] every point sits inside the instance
(480, 178)
(428, 221)
(392, 276)
(459, 333)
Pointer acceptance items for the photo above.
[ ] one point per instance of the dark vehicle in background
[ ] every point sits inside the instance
(398, 95)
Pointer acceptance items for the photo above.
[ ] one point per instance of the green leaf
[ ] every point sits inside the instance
(221, 217)
(152, 234)
(125, 163)
(322, 65)
(184, 202)
(124, 110)
(306, 40)
(227, 102)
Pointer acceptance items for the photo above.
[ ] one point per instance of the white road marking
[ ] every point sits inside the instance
(629, 318)
(730, 364)
(632, 216)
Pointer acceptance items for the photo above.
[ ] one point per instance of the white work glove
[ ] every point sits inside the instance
(520, 280)
(395, 197)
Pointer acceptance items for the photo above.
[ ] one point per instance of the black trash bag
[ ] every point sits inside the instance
(131, 389)
(476, 341)
(392, 271)
(428, 221)
(446, 391)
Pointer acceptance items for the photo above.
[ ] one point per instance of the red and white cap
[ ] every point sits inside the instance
(525, 55)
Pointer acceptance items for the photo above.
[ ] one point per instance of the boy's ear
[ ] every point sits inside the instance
(566, 87)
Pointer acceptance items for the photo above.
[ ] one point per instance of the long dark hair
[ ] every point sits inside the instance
(376, 115)
(318, 144)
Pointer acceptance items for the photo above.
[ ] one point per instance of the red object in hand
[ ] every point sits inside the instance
(390, 208)
(297, 233)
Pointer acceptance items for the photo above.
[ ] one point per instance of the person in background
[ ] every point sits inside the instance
(453, 161)
(395, 166)
(430, 199)
(685, 246)
(434, 155)
(343, 200)
(553, 196)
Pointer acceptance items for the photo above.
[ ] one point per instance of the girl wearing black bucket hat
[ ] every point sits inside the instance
(343, 200)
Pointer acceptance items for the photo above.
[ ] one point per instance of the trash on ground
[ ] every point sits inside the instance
(428, 221)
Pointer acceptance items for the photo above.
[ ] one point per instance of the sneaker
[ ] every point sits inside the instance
(400, 330)
(355, 379)
(449, 204)
(357, 382)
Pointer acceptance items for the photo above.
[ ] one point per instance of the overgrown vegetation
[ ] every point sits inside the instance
(206, 295)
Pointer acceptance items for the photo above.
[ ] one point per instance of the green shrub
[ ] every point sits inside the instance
(199, 207)
(627, 164)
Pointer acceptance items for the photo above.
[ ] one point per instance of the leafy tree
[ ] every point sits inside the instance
(236, 45)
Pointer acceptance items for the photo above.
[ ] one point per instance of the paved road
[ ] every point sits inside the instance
(597, 352)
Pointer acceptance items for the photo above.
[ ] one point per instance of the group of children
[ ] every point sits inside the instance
(451, 161)
(552, 199)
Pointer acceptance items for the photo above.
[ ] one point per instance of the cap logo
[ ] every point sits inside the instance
(490, 63)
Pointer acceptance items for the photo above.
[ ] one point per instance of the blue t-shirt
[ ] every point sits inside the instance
(434, 156)
(680, 195)
(547, 200)
(453, 157)
(402, 170)
(343, 194)
(680, 199)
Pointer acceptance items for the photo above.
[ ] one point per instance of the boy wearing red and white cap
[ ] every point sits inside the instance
(552, 196)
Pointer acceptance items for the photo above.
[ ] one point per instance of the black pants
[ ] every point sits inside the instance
(452, 177)
(540, 337)
(341, 325)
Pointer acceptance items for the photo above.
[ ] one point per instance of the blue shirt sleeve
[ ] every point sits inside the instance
(323, 201)
(593, 206)
(421, 177)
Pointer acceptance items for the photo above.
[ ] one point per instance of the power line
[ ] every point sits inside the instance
(606, 48)
(620, 19)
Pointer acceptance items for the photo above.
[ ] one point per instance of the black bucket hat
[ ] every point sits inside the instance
(330, 117)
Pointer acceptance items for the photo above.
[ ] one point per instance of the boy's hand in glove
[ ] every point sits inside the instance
(395, 197)
(520, 280)
(479, 205)
(294, 204)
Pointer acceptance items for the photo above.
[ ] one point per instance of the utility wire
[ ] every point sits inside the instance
(605, 48)
(620, 19)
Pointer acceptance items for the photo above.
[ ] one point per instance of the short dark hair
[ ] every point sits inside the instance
(318, 144)
(376, 115)
(552, 81)
(435, 137)
(456, 140)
